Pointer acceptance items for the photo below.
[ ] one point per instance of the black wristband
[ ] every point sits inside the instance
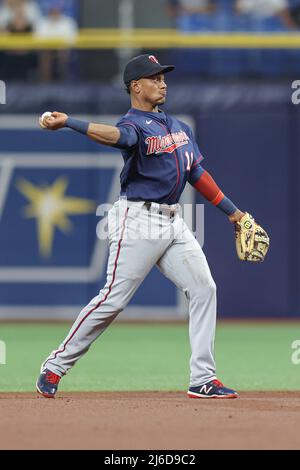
(77, 125)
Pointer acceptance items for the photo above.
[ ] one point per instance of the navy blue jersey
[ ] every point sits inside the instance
(160, 156)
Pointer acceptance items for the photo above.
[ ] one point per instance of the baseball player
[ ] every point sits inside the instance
(160, 156)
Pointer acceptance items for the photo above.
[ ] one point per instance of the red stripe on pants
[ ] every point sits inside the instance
(101, 301)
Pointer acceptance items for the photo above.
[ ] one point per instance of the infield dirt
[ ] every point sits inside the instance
(149, 420)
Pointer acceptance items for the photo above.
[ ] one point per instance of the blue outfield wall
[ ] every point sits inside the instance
(253, 157)
(249, 135)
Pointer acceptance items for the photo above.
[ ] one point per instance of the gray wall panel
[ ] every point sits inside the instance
(100, 13)
(104, 14)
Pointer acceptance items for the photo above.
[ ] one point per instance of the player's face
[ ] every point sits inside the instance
(154, 89)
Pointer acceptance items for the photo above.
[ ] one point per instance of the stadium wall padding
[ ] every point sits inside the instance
(249, 136)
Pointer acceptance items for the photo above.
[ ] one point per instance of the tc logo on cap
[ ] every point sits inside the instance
(153, 59)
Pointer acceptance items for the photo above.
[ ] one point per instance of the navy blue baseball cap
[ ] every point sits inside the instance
(144, 66)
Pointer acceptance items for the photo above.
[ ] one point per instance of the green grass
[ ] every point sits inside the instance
(154, 357)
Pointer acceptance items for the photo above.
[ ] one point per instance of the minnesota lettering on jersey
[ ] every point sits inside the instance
(167, 143)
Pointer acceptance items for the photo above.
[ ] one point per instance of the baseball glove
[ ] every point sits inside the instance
(252, 241)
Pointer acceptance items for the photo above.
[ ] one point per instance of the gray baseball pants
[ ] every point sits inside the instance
(140, 238)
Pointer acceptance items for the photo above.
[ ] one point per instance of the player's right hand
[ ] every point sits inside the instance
(54, 122)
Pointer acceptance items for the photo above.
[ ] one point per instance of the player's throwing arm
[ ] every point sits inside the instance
(101, 133)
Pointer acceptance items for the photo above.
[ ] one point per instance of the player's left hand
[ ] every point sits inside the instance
(236, 216)
(252, 241)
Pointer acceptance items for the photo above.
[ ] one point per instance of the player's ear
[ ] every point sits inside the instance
(136, 86)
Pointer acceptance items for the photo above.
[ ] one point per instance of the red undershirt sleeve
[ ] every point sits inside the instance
(207, 186)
